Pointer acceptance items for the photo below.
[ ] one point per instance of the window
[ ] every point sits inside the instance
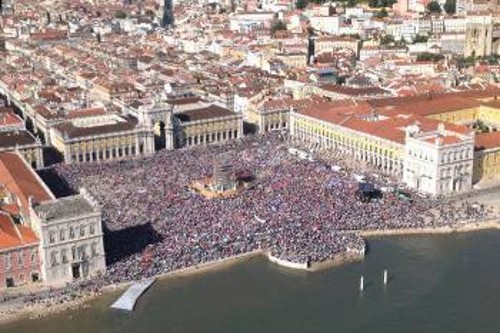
(92, 229)
(61, 235)
(53, 258)
(81, 253)
(20, 258)
(71, 232)
(73, 253)
(33, 256)
(82, 231)
(7, 262)
(52, 237)
(94, 249)
(64, 256)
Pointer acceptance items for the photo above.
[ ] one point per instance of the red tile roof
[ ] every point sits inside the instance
(391, 127)
(352, 91)
(10, 119)
(445, 140)
(13, 235)
(89, 112)
(21, 180)
(435, 106)
(487, 140)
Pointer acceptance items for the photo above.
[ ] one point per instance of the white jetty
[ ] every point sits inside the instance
(129, 298)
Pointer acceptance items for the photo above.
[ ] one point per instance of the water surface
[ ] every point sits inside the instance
(436, 284)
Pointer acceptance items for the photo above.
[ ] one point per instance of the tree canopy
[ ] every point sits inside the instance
(381, 3)
(434, 7)
(382, 13)
(387, 39)
(420, 39)
(426, 56)
(450, 6)
(301, 4)
(278, 25)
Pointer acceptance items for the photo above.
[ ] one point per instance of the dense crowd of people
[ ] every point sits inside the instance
(299, 210)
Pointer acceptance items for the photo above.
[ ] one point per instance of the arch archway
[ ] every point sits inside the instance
(159, 132)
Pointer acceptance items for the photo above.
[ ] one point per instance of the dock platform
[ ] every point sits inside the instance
(129, 298)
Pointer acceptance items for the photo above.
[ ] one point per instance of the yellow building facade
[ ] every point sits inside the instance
(388, 153)
(268, 120)
(487, 165)
(208, 125)
(102, 142)
(385, 154)
(486, 161)
(25, 144)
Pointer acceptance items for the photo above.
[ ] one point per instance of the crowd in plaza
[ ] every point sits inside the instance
(299, 210)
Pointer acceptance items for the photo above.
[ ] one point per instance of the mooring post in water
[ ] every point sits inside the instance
(385, 277)
(361, 283)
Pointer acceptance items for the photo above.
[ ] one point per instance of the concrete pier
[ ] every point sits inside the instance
(129, 298)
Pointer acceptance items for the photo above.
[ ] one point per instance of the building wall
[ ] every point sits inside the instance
(432, 170)
(268, 121)
(386, 155)
(67, 242)
(327, 24)
(463, 116)
(489, 115)
(22, 265)
(33, 154)
(275, 120)
(330, 45)
(293, 60)
(487, 165)
(478, 40)
(455, 174)
(211, 130)
(104, 147)
(438, 169)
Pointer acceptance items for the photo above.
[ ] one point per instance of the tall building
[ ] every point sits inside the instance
(168, 13)
(71, 238)
(478, 40)
(479, 36)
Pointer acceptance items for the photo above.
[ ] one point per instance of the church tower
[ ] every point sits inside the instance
(478, 39)
(479, 35)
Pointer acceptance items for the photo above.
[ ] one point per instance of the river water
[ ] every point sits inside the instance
(436, 284)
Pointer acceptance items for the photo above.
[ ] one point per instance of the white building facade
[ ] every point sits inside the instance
(438, 162)
(71, 238)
